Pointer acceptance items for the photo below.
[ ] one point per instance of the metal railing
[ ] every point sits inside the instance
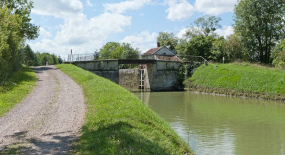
(81, 57)
(191, 58)
(92, 56)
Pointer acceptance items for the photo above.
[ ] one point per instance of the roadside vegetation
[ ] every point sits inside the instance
(16, 28)
(117, 122)
(16, 89)
(239, 79)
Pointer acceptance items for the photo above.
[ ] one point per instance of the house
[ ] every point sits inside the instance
(160, 53)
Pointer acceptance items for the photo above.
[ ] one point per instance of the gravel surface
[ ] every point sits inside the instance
(48, 120)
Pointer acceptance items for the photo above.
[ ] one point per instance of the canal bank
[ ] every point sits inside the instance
(119, 123)
(239, 79)
(213, 124)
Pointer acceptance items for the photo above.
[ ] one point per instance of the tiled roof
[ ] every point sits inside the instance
(151, 51)
(168, 58)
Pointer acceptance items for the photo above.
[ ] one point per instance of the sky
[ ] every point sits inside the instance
(86, 25)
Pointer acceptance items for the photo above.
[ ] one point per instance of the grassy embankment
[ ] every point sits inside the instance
(117, 122)
(239, 80)
(16, 89)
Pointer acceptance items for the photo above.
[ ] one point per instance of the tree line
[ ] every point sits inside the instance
(30, 58)
(258, 35)
(115, 50)
(15, 28)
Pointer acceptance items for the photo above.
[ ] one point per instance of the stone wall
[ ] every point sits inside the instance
(160, 76)
(164, 75)
(106, 68)
(129, 79)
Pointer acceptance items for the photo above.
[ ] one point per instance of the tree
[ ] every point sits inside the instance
(167, 39)
(182, 48)
(278, 55)
(130, 52)
(218, 50)
(96, 55)
(9, 43)
(22, 8)
(111, 50)
(205, 26)
(29, 55)
(234, 49)
(60, 61)
(260, 24)
(197, 46)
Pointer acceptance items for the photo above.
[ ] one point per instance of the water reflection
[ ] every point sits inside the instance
(222, 125)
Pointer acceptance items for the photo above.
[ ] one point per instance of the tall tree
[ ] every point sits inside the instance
(130, 52)
(23, 9)
(10, 42)
(111, 50)
(260, 24)
(278, 55)
(167, 39)
(197, 46)
(29, 55)
(205, 26)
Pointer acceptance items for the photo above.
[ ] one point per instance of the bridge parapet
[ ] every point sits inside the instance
(162, 75)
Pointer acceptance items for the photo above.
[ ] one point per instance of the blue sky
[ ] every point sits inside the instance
(86, 25)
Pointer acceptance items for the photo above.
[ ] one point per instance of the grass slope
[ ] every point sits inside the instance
(117, 122)
(239, 79)
(16, 89)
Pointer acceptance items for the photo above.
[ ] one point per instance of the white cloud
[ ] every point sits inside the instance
(44, 33)
(215, 7)
(225, 31)
(122, 7)
(89, 3)
(82, 35)
(181, 33)
(179, 10)
(144, 40)
(57, 8)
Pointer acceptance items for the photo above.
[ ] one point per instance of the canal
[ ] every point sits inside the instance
(222, 125)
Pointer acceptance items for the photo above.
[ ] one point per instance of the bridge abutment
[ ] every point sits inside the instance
(158, 75)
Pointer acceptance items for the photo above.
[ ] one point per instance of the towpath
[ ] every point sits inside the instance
(48, 120)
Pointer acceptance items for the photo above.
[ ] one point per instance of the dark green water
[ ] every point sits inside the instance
(222, 125)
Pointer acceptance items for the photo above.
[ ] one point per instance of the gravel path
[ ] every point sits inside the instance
(48, 120)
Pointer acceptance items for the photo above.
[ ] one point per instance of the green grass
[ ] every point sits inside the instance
(241, 79)
(16, 89)
(117, 122)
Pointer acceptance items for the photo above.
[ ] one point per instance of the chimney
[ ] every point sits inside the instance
(158, 44)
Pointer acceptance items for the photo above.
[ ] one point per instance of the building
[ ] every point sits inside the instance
(160, 53)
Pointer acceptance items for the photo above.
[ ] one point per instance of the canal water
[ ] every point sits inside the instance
(222, 125)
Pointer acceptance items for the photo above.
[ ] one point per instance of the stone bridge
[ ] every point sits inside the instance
(153, 75)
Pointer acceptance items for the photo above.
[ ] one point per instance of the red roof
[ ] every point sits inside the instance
(168, 58)
(151, 51)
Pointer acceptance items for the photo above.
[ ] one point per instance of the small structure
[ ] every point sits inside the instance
(160, 53)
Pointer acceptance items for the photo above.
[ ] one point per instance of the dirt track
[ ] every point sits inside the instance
(48, 120)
